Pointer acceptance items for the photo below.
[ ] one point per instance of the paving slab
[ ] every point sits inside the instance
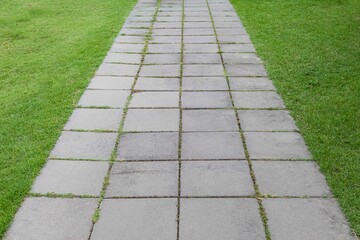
(245, 70)
(71, 177)
(148, 146)
(216, 178)
(203, 70)
(212, 145)
(129, 219)
(266, 120)
(223, 218)
(209, 120)
(312, 219)
(127, 48)
(165, 58)
(126, 58)
(292, 178)
(94, 119)
(84, 145)
(202, 58)
(257, 100)
(111, 83)
(148, 120)
(276, 145)
(104, 98)
(244, 83)
(206, 100)
(53, 218)
(204, 83)
(160, 71)
(240, 58)
(153, 84)
(112, 69)
(143, 179)
(155, 99)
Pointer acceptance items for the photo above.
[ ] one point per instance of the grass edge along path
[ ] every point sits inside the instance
(311, 52)
(48, 53)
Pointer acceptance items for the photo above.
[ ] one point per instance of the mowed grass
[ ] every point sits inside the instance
(48, 52)
(311, 50)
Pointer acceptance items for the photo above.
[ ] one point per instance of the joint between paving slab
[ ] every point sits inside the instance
(252, 174)
(112, 159)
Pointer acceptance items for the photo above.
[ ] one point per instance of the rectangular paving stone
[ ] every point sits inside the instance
(111, 83)
(152, 120)
(206, 100)
(199, 32)
(212, 58)
(134, 31)
(130, 39)
(238, 48)
(201, 48)
(84, 145)
(245, 70)
(94, 119)
(53, 218)
(143, 179)
(240, 58)
(212, 145)
(230, 31)
(200, 39)
(151, 84)
(126, 48)
(204, 83)
(165, 39)
(209, 120)
(71, 177)
(164, 48)
(203, 70)
(155, 99)
(148, 146)
(276, 145)
(166, 32)
(257, 100)
(291, 178)
(160, 71)
(104, 98)
(234, 39)
(266, 120)
(110, 69)
(197, 19)
(216, 178)
(198, 25)
(171, 58)
(130, 219)
(127, 58)
(253, 83)
(312, 219)
(220, 218)
(223, 24)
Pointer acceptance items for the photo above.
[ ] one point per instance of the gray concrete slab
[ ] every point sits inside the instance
(148, 146)
(111, 83)
(209, 120)
(225, 219)
(202, 58)
(212, 145)
(129, 219)
(292, 178)
(153, 84)
(164, 58)
(104, 98)
(216, 178)
(53, 218)
(143, 179)
(84, 145)
(204, 83)
(94, 119)
(203, 70)
(244, 83)
(276, 145)
(160, 71)
(312, 219)
(155, 99)
(111, 69)
(257, 100)
(152, 120)
(206, 100)
(71, 177)
(266, 120)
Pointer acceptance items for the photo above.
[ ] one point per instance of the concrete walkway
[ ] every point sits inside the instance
(180, 136)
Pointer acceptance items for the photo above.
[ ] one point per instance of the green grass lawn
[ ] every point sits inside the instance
(311, 50)
(48, 52)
